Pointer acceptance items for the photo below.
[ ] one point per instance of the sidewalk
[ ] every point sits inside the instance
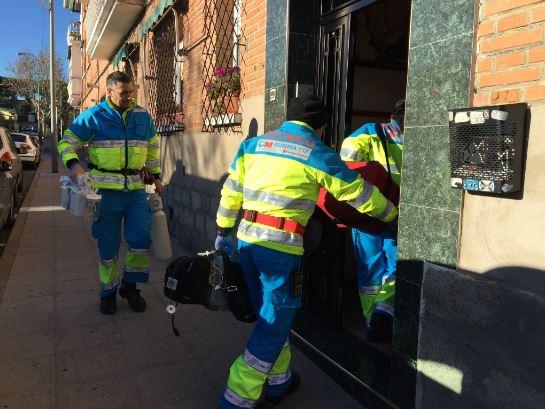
(58, 351)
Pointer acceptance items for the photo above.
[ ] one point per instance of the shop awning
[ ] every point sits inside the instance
(155, 15)
(120, 55)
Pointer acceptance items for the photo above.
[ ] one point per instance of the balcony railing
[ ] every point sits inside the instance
(107, 23)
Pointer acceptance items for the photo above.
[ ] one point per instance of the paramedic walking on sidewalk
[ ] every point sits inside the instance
(275, 179)
(122, 141)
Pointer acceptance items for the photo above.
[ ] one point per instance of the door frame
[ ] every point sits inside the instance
(343, 17)
(344, 9)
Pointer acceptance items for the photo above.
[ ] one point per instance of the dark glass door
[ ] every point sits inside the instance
(336, 42)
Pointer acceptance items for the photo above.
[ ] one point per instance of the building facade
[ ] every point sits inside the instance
(471, 267)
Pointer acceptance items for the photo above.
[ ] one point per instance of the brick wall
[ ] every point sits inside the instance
(511, 52)
(254, 19)
(254, 28)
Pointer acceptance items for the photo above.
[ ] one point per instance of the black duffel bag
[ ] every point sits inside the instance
(212, 280)
(187, 280)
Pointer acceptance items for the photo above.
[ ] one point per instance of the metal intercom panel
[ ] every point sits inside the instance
(487, 148)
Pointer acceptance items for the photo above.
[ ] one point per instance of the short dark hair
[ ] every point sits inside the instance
(115, 77)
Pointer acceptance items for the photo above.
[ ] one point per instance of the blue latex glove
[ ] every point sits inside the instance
(225, 243)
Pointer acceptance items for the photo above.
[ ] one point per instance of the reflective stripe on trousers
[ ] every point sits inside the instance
(237, 400)
(267, 274)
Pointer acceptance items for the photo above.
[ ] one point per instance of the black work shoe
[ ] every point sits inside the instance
(381, 328)
(108, 305)
(132, 294)
(294, 385)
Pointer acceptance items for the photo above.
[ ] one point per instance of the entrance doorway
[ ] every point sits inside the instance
(361, 74)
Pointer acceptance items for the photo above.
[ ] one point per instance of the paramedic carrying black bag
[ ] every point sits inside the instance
(209, 279)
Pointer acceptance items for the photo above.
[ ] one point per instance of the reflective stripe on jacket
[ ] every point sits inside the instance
(280, 174)
(116, 142)
(365, 145)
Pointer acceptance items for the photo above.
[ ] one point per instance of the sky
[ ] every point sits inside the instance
(24, 26)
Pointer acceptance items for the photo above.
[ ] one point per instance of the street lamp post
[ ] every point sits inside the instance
(53, 105)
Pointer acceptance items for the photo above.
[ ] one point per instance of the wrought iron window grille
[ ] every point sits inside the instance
(222, 58)
(163, 77)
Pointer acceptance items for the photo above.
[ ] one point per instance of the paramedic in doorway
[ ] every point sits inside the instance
(122, 142)
(376, 252)
(275, 178)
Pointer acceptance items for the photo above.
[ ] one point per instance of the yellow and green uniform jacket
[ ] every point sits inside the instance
(280, 174)
(119, 145)
(365, 145)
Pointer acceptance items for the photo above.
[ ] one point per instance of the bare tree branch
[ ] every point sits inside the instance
(29, 74)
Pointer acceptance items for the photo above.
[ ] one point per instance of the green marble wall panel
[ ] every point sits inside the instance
(276, 18)
(426, 169)
(427, 234)
(275, 62)
(440, 21)
(438, 79)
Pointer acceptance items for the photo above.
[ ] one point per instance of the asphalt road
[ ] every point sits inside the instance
(28, 175)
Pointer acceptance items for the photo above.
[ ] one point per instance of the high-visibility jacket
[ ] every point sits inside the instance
(117, 142)
(280, 174)
(366, 145)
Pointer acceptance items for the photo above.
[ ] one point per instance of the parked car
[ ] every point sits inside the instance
(11, 178)
(28, 148)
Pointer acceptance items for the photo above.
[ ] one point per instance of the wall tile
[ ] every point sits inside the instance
(275, 71)
(276, 18)
(437, 20)
(438, 80)
(302, 59)
(407, 311)
(426, 169)
(275, 111)
(427, 234)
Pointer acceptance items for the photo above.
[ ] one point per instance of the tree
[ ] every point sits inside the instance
(31, 73)
(7, 94)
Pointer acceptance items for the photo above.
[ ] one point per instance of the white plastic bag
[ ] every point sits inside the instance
(65, 191)
(79, 199)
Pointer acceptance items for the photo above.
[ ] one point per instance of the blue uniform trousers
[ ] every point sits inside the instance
(267, 355)
(133, 210)
(376, 258)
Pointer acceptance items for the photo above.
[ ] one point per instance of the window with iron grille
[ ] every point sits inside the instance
(221, 64)
(163, 77)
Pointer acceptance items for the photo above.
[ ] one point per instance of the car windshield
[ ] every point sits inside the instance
(17, 137)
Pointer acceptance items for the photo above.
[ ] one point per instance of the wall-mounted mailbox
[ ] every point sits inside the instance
(487, 148)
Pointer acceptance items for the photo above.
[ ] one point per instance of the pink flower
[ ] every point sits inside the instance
(219, 72)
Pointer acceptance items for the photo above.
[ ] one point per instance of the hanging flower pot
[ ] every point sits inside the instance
(231, 104)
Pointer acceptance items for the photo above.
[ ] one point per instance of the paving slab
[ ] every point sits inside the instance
(60, 352)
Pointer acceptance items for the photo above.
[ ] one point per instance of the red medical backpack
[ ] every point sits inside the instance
(345, 215)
